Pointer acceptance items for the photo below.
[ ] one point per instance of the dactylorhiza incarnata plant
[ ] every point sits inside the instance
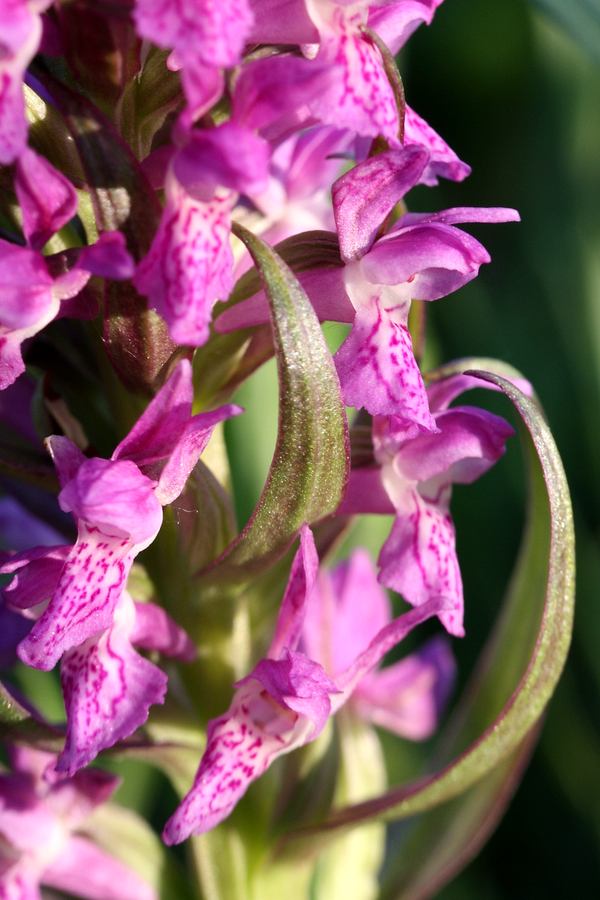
(189, 189)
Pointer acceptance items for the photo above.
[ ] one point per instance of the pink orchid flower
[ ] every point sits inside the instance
(282, 704)
(41, 843)
(413, 480)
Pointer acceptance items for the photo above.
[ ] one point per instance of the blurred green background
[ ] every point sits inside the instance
(514, 87)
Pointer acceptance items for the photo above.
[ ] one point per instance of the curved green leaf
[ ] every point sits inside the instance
(310, 464)
(521, 665)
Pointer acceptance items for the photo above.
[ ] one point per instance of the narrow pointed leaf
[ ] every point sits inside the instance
(521, 665)
(310, 464)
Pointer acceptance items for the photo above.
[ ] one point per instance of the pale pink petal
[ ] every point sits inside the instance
(154, 629)
(347, 609)
(203, 86)
(190, 263)
(386, 639)
(443, 161)
(419, 559)
(409, 696)
(281, 705)
(85, 870)
(377, 367)
(364, 196)
(108, 690)
(441, 393)
(47, 199)
(295, 600)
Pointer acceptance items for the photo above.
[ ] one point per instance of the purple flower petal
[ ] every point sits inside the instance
(47, 199)
(66, 456)
(21, 34)
(419, 559)
(108, 257)
(376, 364)
(395, 22)
(348, 608)
(115, 498)
(87, 871)
(366, 494)
(197, 30)
(154, 629)
(409, 696)
(294, 604)
(281, 705)
(37, 579)
(190, 264)
(88, 591)
(443, 161)
(108, 690)
(365, 195)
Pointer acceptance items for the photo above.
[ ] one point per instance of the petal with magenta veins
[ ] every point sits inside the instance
(443, 161)
(190, 263)
(154, 629)
(47, 199)
(409, 696)
(419, 559)
(108, 690)
(281, 705)
(364, 196)
(213, 33)
(376, 364)
(90, 586)
(360, 97)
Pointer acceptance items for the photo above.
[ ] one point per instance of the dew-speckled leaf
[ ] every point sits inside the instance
(521, 665)
(310, 464)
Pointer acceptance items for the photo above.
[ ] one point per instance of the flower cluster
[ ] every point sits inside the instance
(286, 117)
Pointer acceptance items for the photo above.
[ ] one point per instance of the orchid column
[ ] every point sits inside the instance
(190, 190)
